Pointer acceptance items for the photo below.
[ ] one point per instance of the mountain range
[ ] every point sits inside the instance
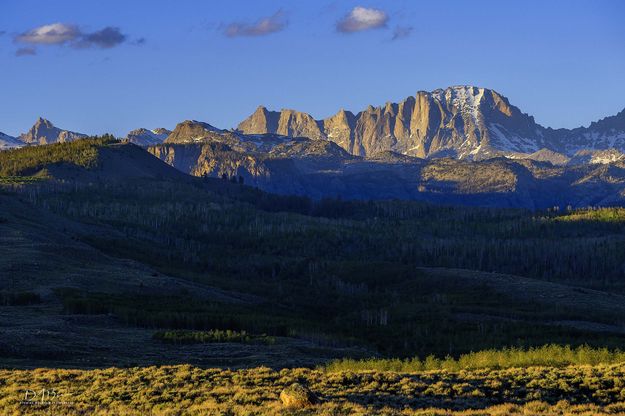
(462, 122)
(461, 145)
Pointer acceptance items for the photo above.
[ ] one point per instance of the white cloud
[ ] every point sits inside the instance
(362, 18)
(61, 34)
(54, 34)
(264, 26)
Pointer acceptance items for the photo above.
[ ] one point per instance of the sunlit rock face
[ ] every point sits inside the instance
(44, 132)
(463, 122)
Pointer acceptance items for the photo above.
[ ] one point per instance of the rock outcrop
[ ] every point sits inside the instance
(297, 396)
(262, 121)
(286, 123)
(44, 132)
(340, 129)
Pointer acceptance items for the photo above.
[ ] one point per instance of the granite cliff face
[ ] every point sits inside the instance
(44, 132)
(462, 122)
(286, 123)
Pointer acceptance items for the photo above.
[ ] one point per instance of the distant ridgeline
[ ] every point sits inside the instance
(461, 122)
(461, 145)
(319, 169)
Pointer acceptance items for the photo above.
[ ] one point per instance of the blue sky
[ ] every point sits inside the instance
(119, 65)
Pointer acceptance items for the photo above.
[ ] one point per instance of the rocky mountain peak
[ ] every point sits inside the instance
(286, 122)
(462, 121)
(260, 122)
(44, 132)
(339, 128)
(456, 120)
(161, 130)
(139, 131)
(343, 117)
(42, 123)
(191, 131)
(297, 124)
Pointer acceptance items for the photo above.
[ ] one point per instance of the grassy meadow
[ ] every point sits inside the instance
(187, 390)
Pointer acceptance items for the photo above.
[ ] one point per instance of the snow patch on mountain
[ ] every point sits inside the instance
(505, 141)
(464, 98)
(145, 137)
(595, 157)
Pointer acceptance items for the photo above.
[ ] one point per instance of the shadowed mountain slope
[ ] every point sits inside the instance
(320, 168)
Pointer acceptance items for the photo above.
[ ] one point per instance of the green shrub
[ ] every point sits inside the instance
(545, 356)
(212, 336)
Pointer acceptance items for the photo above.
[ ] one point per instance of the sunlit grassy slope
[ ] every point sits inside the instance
(580, 390)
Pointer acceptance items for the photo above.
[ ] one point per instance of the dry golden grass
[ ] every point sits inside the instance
(182, 390)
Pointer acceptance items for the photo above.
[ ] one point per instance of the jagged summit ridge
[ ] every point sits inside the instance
(464, 122)
(44, 132)
(286, 122)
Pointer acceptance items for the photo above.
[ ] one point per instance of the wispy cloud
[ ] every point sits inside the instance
(264, 26)
(362, 18)
(402, 32)
(26, 52)
(72, 35)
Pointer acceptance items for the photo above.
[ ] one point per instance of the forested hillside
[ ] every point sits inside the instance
(395, 277)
